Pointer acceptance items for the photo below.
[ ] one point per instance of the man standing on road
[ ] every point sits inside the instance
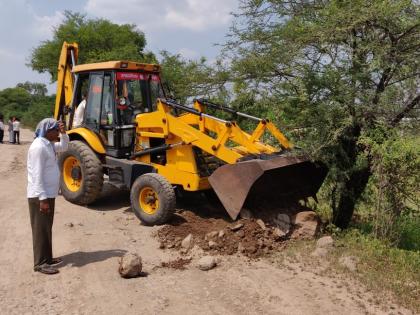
(16, 131)
(10, 129)
(43, 185)
(1, 128)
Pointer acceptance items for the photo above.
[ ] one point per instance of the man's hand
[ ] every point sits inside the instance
(44, 206)
(61, 127)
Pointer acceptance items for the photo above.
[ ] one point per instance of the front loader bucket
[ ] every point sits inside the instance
(281, 176)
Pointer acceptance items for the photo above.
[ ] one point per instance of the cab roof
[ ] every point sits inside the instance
(117, 65)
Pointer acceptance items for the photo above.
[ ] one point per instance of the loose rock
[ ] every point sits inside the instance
(261, 224)
(306, 225)
(221, 233)
(237, 227)
(282, 221)
(207, 263)
(320, 252)
(187, 242)
(212, 235)
(325, 242)
(349, 262)
(130, 265)
(278, 233)
(212, 244)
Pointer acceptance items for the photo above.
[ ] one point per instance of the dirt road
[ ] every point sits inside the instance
(91, 240)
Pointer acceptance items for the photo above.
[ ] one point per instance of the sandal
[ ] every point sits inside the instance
(55, 261)
(46, 269)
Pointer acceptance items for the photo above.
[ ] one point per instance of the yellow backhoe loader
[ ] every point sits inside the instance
(136, 138)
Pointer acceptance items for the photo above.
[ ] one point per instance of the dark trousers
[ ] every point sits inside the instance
(1, 136)
(16, 137)
(41, 231)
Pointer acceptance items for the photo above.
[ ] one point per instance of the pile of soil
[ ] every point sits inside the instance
(220, 235)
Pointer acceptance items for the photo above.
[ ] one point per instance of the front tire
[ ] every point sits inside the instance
(81, 174)
(152, 199)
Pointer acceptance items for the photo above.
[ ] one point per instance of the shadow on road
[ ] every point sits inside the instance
(79, 259)
(111, 198)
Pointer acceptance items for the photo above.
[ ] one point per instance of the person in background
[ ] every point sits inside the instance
(10, 129)
(43, 185)
(79, 113)
(1, 128)
(16, 131)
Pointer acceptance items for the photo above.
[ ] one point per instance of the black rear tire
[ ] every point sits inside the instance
(88, 171)
(152, 199)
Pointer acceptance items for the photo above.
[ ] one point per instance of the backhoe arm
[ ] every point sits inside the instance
(65, 78)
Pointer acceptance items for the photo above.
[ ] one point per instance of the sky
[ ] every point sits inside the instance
(188, 27)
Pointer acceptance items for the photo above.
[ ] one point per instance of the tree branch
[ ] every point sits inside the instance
(405, 111)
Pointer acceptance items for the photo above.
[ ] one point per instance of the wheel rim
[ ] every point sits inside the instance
(72, 174)
(148, 200)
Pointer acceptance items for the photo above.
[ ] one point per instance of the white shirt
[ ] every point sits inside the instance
(16, 125)
(1, 125)
(78, 114)
(43, 171)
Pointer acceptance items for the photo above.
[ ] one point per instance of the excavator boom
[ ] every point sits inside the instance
(65, 78)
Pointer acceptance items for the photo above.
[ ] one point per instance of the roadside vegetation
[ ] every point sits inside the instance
(388, 272)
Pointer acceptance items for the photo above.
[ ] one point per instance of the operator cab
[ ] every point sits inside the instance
(114, 98)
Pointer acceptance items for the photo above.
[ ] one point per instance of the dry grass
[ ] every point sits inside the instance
(384, 270)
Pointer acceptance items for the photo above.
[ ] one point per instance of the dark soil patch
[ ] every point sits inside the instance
(179, 263)
(218, 235)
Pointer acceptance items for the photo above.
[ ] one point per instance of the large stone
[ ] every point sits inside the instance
(278, 233)
(325, 242)
(207, 263)
(211, 235)
(187, 242)
(320, 252)
(306, 225)
(282, 221)
(130, 265)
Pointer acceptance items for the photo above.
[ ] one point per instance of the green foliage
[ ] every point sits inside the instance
(331, 71)
(392, 198)
(187, 79)
(98, 39)
(28, 102)
(37, 89)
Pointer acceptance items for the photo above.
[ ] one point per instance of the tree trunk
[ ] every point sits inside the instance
(353, 189)
(355, 178)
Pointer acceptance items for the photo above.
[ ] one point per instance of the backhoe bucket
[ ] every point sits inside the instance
(288, 177)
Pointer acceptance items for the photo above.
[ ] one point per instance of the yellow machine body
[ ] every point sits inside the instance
(188, 147)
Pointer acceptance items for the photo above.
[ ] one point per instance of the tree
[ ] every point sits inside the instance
(98, 39)
(335, 70)
(26, 101)
(38, 89)
(188, 79)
